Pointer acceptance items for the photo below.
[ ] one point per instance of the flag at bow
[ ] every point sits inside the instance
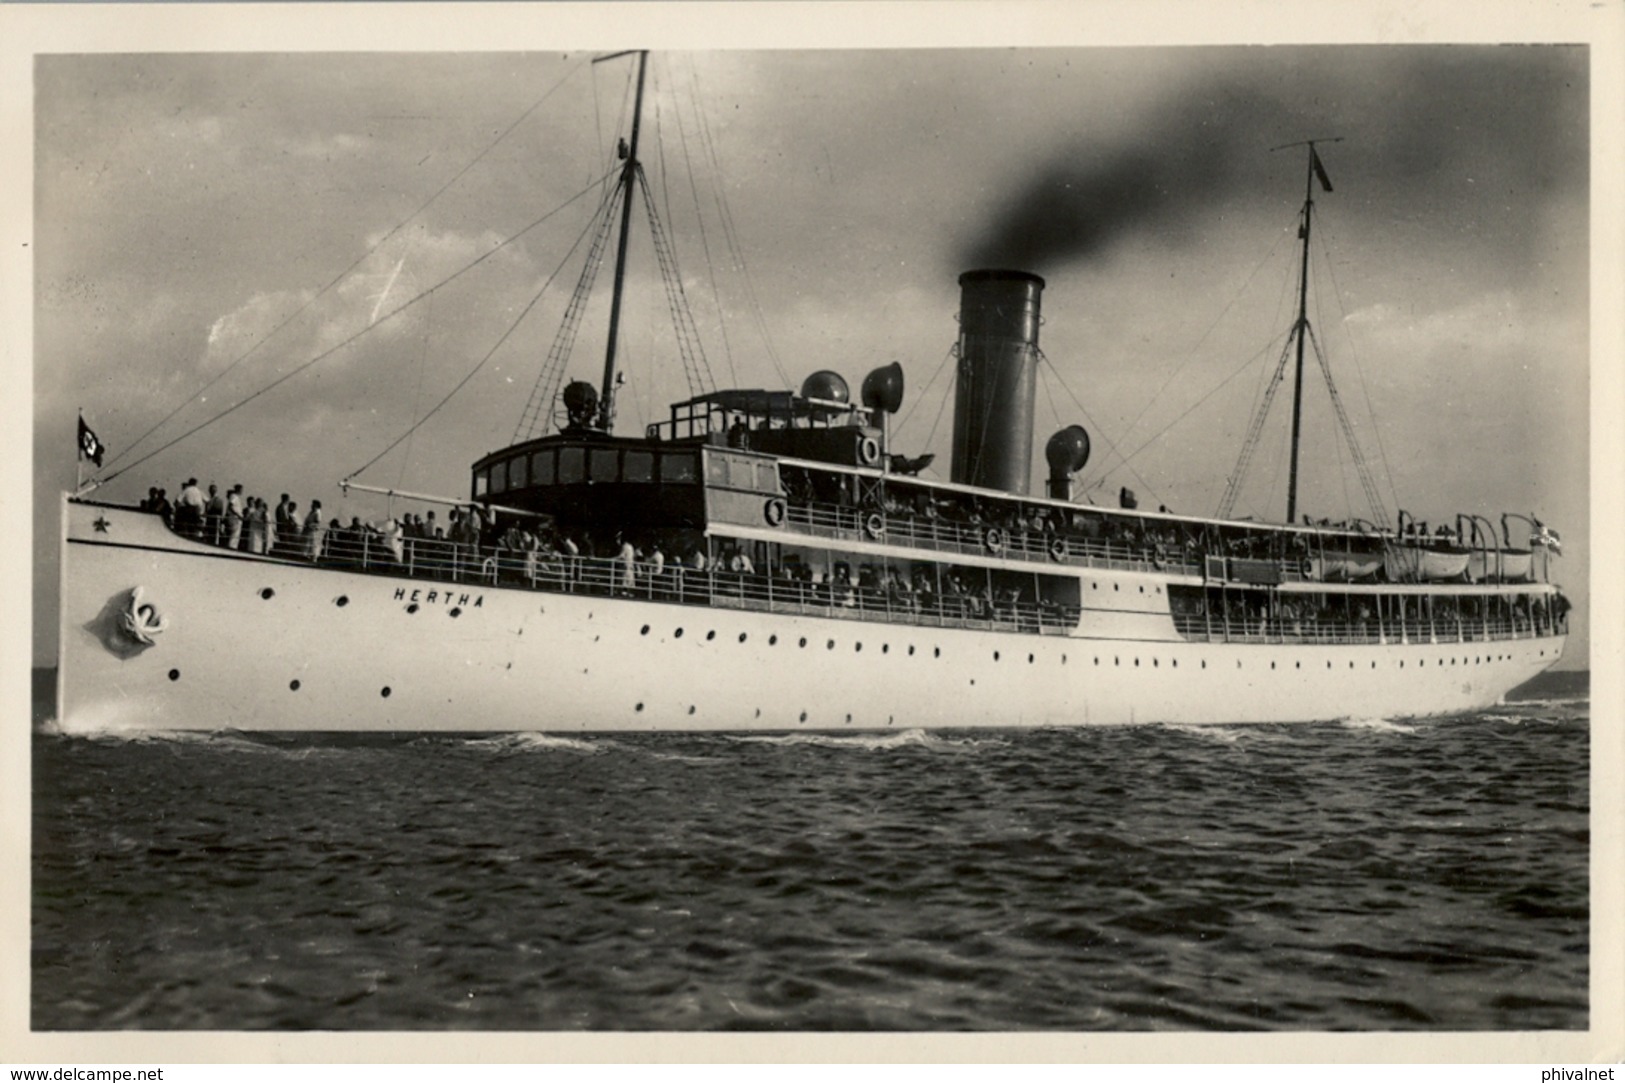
(1320, 170)
(90, 445)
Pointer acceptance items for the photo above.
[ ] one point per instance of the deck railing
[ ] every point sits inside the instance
(1216, 629)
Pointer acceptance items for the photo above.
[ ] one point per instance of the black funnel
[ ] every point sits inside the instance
(998, 373)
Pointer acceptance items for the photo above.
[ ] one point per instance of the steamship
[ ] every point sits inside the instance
(762, 560)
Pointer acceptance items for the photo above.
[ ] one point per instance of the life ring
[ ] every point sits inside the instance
(1307, 568)
(773, 511)
(874, 525)
(869, 451)
(1159, 556)
(994, 539)
(141, 619)
(1057, 549)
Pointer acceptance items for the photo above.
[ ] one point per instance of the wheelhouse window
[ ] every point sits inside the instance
(638, 466)
(542, 467)
(602, 464)
(482, 482)
(499, 477)
(572, 465)
(678, 467)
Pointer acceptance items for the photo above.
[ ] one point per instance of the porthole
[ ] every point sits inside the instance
(856, 647)
(678, 634)
(1117, 586)
(174, 674)
(1097, 661)
(712, 634)
(639, 707)
(456, 611)
(742, 637)
(1142, 590)
(342, 600)
(1030, 659)
(1174, 662)
(413, 608)
(384, 691)
(995, 656)
(690, 708)
(885, 648)
(773, 640)
(1297, 665)
(1272, 665)
(936, 652)
(1117, 661)
(803, 641)
(644, 630)
(293, 685)
(911, 648)
(849, 718)
(1153, 663)
(267, 594)
(1204, 663)
(1136, 663)
(804, 716)
(830, 645)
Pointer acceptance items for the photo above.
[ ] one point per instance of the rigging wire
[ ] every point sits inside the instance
(731, 234)
(500, 245)
(512, 327)
(705, 242)
(538, 407)
(925, 391)
(1110, 446)
(1191, 356)
(1365, 388)
(341, 275)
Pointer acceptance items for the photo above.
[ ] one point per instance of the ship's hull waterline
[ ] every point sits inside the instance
(268, 645)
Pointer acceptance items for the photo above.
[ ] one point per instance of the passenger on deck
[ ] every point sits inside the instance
(315, 532)
(213, 510)
(188, 511)
(234, 517)
(258, 525)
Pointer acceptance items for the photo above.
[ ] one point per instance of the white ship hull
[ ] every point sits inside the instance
(266, 645)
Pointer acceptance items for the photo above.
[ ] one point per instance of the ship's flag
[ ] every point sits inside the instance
(90, 445)
(1320, 170)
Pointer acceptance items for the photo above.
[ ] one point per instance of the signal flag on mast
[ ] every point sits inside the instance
(1320, 170)
(90, 445)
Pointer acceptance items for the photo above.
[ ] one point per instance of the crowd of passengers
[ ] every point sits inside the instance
(1033, 526)
(1250, 613)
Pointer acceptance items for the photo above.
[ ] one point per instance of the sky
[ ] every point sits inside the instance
(206, 224)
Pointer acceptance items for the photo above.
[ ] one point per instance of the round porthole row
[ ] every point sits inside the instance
(174, 674)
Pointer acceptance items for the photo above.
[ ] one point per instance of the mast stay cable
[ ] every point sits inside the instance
(325, 354)
(217, 377)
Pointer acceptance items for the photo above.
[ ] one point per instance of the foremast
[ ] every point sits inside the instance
(1300, 329)
(628, 181)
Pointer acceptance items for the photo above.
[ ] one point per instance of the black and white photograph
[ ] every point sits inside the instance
(1014, 529)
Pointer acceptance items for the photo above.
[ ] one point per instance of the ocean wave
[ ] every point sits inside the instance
(910, 738)
(532, 742)
(1376, 725)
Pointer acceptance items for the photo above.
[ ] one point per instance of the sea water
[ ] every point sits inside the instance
(1366, 875)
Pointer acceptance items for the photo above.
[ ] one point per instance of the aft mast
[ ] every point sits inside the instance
(629, 174)
(1301, 328)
